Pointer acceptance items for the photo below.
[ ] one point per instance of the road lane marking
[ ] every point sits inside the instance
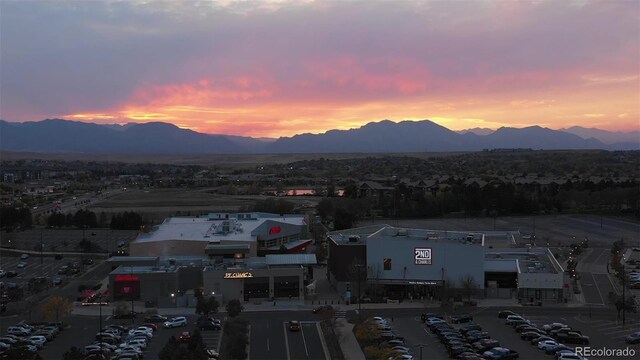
(325, 349)
(286, 339)
(304, 341)
(268, 348)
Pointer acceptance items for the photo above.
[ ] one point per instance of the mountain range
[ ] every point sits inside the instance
(58, 135)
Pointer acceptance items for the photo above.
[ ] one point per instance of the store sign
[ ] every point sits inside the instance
(274, 230)
(127, 278)
(238, 275)
(418, 282)
(422, 256)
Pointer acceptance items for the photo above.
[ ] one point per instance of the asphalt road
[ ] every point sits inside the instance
(272, 340)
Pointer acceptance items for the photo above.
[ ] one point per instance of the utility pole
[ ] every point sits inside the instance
(624, 281)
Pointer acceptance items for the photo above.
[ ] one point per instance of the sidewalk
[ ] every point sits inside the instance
(349, 344)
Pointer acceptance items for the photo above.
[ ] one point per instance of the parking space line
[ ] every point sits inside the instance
(286, 339)
(304, 342)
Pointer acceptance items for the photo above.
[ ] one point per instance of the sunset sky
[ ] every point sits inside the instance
(279, 68)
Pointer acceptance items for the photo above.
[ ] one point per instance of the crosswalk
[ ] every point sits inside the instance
(211, 339)
(340, 314)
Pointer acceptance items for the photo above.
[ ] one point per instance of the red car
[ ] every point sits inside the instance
(185, 336)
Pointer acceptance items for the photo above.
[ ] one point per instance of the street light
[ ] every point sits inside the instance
(421, 346)
(624, 305)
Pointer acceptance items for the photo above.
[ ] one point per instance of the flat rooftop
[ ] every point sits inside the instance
(216, 227)
(129, 270)
(491, 239)
(535, 260)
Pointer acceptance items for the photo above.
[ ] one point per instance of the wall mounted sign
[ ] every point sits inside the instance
(422, 256)
(127, 278)
(274, 230)
(238, 275)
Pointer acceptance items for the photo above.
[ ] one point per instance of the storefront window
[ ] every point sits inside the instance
(286, 286)
(256, 288)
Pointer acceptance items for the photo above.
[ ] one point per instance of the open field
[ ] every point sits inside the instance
(160, 203)
(226, 160)
(559, 230)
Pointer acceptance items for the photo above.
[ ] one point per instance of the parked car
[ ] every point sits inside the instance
(175, 322)
(500, 353)
(18, 331)
(530, 335)
(462, 318)
(294, 325)
(21, 265)
(485, 344)
(11, 274)
(433, 321)
(571, 356)
(24, 256)
(2, 273)
(535, 341)
(633, 338)
(546, 344)
(425, 316)
(57, 280)
(554, 326)
(560, 347)
(573, 337)
(504, 313)
(512, 319)
(470, 327)
(184, 336)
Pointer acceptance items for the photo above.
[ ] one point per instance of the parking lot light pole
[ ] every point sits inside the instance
(421, 346)
(133, 319)
(624, 305)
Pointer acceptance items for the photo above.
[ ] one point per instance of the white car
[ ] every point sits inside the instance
(136, 332)
(434, 321)
(37, 341)
(18, 331)
(136, 342)
(547, 344)
(513, 318)
(175, 322)
(554, 326)
(2, 273)
(129, 349)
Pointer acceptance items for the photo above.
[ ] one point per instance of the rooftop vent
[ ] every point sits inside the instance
(354, 238)
(402, 232)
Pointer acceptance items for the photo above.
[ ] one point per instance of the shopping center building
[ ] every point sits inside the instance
(245, 256)
(224, 235)
(397, 263)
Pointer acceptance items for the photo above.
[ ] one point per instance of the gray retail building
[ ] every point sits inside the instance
(386, 262)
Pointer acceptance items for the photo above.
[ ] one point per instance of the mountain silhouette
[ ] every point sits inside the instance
(58, 135)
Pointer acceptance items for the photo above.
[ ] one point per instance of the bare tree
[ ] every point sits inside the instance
(468, 285)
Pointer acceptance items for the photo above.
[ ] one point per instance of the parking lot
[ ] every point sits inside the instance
(81, 332)
(603, 330)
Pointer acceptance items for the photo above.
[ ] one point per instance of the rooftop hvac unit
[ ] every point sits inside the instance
(354, 238)
(402, 232)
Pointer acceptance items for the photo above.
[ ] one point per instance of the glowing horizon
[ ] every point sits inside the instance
(281, 68)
